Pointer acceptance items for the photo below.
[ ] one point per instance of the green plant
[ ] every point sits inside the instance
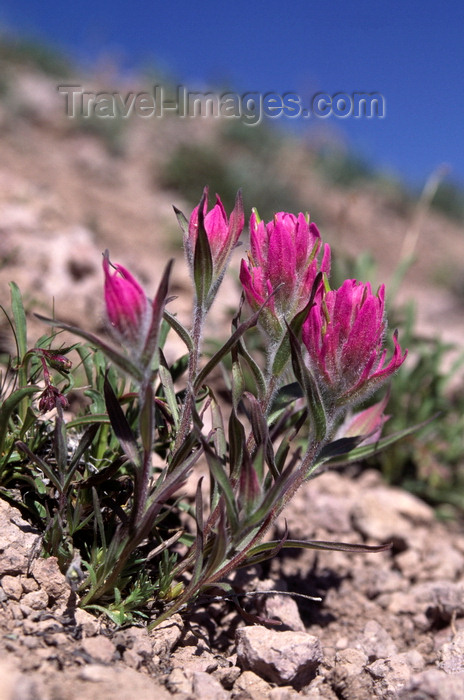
(106, 486)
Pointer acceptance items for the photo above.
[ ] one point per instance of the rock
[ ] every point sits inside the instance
(352, 660)
(97, 682)
(191, 659)
(29, 584)
(227, 676)
(250, 685)
(434, 684)
(49, 577)
(390, 675)
(206, 687)
(135, 640)
(99, 648)
(37, 600)
(385, 513)
(177, 682)
(451, 654)
(280, 657)
(440, 600)
(283, 694)
(12, 586)
(375, 642)
(348, 678)
(87, 622)
(17, 541)
(165, 637)
(281, 607)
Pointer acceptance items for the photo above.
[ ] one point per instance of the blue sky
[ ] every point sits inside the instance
(411, 52)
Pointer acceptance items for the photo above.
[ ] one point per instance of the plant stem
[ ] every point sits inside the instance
(186, 414)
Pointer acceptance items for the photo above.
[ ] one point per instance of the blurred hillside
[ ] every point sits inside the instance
(71, 187)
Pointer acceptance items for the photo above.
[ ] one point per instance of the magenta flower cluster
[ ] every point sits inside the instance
(344, 330)
(282, 266)
(343, 334)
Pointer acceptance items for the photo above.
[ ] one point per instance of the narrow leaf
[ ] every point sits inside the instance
(19, 316)
(116, 358)
(266, 548)
(364, 451)
(9, 405)
(222, 352)
(310, 388)
(120, 425)
(158, 303)
(220, 476)
(202, 258)
(178, 328)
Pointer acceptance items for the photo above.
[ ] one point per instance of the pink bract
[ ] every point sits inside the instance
(126, 304)
(284, 259)
(223, 233)
(344, 335)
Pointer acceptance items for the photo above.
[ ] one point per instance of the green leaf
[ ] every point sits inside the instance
(219, 439)
(158, 303)
(47, 470)
(19, 316)
(116, 357)
(199, 543)
(310, 389)
(237, 446)
(263, 551)
(94, 418)
(253, 366)
(339, 447)
(60, 444)
(283, 352)
(168, 388)
(120, 425)
(365, 451)
(220, 476)
(202, 259)
(261, 432)
(9, 405)
(284, 397)
(178, 328)
(222, 352)
(250, 491)
(219, 549)
(146, 421)
(183, 221)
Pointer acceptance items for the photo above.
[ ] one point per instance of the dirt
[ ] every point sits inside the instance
(387, 625)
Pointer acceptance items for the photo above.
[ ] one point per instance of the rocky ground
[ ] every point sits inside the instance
(388, 625)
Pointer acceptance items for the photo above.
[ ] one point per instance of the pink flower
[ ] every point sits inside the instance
(127, 306)
(283, 257)
(223, 233)
(344, 334)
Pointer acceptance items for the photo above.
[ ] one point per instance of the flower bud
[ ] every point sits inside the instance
(127, 306)
(209, 239)
(223, 233)
(50, 397)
